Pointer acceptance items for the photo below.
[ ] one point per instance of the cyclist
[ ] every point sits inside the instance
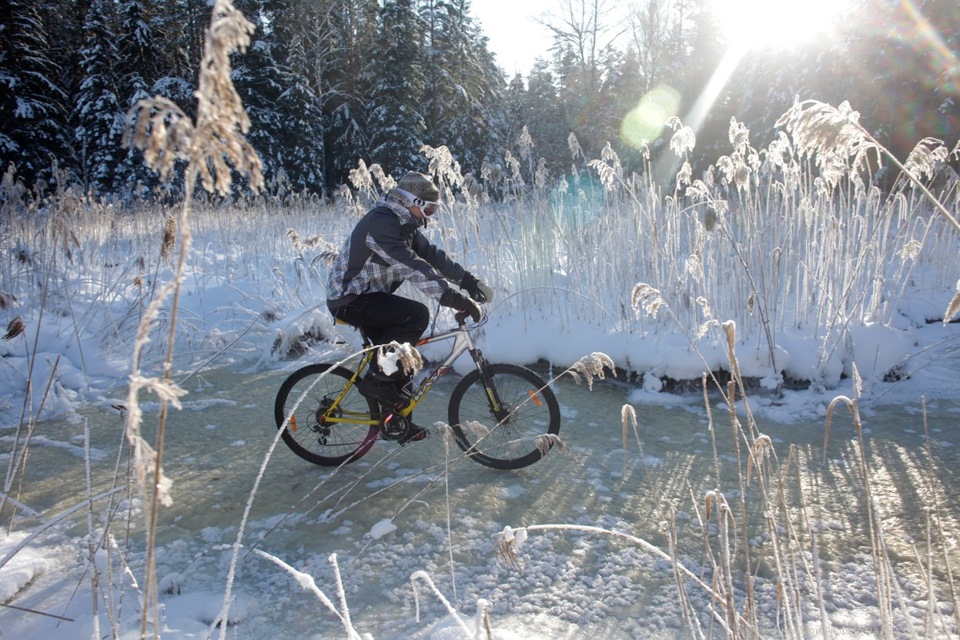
(385, 249)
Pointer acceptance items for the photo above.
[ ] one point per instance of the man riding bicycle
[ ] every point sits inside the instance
(385, 249)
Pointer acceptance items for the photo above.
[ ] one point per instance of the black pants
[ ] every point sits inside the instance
(385, 317)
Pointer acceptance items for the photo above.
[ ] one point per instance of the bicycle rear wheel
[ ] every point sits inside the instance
(513, 434)
(329, 426)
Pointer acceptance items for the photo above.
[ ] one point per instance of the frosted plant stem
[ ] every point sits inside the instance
(425, 577)
(761, 305)
(446, 493)
(20, 457)
(736, 434)
(930, 615)
(231, 573)
(942, 210)
(887, 586)
(794, 540)
(53, 522)
(482, 620)
(91, 547)
(28, 393)
(307, 582)
(819, 595)
(711, 427)
(693, 622)
(341, 594)
(151, 601)
(628, 415)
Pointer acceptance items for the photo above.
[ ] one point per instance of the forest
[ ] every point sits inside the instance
(330, 84)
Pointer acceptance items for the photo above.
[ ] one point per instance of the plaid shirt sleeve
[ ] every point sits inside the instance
(382, 252)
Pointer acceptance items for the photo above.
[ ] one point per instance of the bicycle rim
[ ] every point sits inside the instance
(328, 427)
(514, 437)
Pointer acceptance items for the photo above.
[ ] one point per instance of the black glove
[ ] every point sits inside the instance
(477, 290)
(460, 302)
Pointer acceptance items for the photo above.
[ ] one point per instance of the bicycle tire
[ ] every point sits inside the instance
(514, 439)
(330, 444)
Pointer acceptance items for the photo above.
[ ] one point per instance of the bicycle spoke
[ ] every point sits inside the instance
(510, 435)
(327, 423)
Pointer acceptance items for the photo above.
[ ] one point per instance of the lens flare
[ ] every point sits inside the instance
(924, 36)
(646, 121)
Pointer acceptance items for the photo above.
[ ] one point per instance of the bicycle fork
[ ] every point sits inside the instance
(493, 397)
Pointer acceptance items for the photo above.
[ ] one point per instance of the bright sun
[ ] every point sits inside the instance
(775, 23)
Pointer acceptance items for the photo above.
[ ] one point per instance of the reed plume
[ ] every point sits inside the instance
(210, 146)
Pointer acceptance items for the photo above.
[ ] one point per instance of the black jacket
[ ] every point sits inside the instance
(385, 249)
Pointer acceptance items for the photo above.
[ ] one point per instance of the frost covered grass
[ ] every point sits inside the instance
(784, 264)
(251, 296)
(817, 295)
(761, 525)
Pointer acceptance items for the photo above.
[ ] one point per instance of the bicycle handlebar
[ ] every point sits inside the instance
(461, 317)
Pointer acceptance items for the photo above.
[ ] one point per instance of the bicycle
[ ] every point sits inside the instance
(502, 415)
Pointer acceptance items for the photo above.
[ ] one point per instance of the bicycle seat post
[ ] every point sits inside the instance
(364, 338)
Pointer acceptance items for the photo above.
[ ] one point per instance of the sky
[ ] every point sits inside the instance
(516, 38)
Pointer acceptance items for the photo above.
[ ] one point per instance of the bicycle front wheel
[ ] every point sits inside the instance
(329, 424)
(507, 426)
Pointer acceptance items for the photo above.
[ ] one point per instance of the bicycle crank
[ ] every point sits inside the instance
(396, 427)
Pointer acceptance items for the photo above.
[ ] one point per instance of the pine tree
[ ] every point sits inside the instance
(626, 85)
(98, 114)
(463, 85)
(514, 117)
(345, 81)
(144, 69)
(708, 115)
(913, 77)
(303, 37)
(260, 79)
(396, 125)
(584, 38)
(302, 114)
(33, 134)
(544, 118)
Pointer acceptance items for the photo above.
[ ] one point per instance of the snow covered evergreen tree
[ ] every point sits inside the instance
(97, 111)
(514, 113)
(143, 71)
(303, 32)
(33, 133)
(396, 126)
(544, 118)
(463, 85)
(260, 79)
(333, 82)
(346, 77)
(301, 111)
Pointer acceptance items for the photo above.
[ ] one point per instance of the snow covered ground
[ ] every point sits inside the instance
(253, 295)
(402, 512)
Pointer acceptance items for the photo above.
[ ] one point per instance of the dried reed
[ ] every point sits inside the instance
(210, 146)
